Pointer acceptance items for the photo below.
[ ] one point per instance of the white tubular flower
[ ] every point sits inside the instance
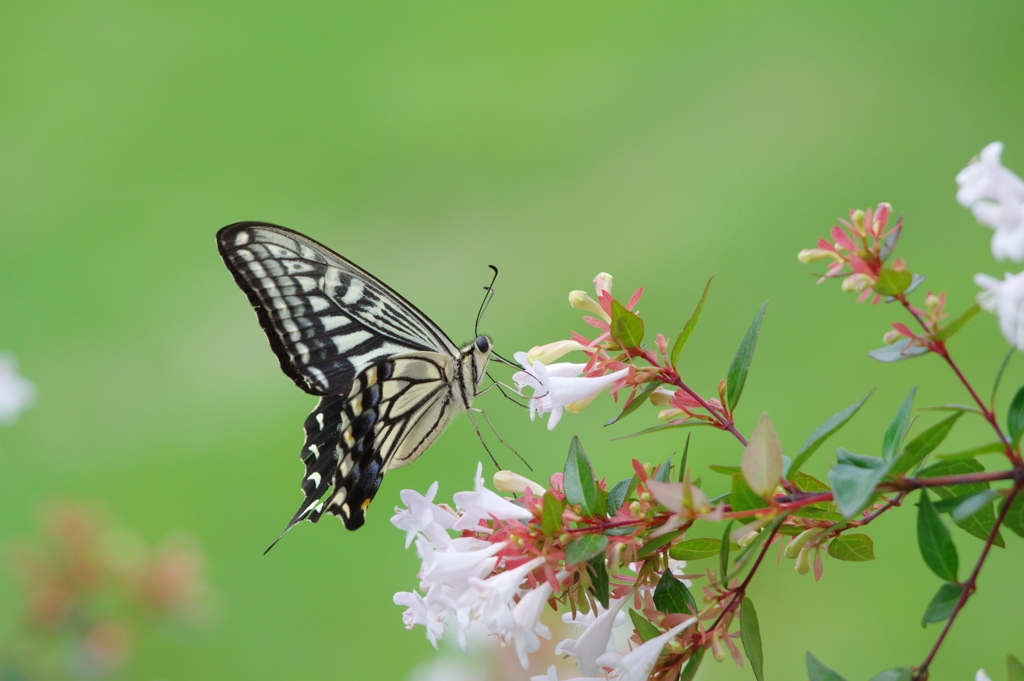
(526, 623)
(16, 392)
(455, 568)
(581, 620)
(1006, 299)
(507, 481)
(491, 599)
(987, 178)
(419, 612)
(595, 641)
(996, 197)
(420, 514)
(483, 504)
(552, 675)
(637, 665)
(559, 385)
(981, 676)
(552, 351)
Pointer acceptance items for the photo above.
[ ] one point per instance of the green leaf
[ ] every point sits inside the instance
(817, 514)
(750, 632)
(924, 444)
(999, 374)
(973, 504)
(1015, 417)
(645, 629)
(740, 366)
(672, 596)
(686, 455)
(584, 548)
(1015, 516)
(723, 553)
(1014, 669)
(822, 433)
(725, 470)
(895, 674)
(617, 496)
(897, 427)
(661, 475)
(742, 497)
(691, 323)
(551, 515)
(656, 544)
(627, 329)
(695, 549)
(942, 604)
(933, 538)
(636, 402)
(634, 481)
(692, 665)
(898, 351)
(762, 459)
(811, 484)
(578, 480)
(892, 283)
(599, 579)
(854, 487)
(990, 448)
(890, 245)
(952, 407)
(981, 523)
(852, 547)
(859, 460)
(816, 671)
(671, 425)
(958, 323)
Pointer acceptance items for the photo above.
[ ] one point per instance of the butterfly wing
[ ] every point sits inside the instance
(326, 318)
(382, 369)
(394, 411)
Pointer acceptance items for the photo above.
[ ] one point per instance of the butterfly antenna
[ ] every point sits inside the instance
(486, 301)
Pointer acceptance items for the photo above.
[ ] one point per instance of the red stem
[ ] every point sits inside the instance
(742, 588)
(727, 423)
(969, 588)
(939, 347)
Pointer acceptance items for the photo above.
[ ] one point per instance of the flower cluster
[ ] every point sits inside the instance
(617, 359)
(859, 250)
(88, 585)
(511, 559)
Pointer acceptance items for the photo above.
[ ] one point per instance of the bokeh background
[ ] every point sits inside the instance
(662, 142)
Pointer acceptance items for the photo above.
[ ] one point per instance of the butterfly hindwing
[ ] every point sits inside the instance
(326, 319)
(393, 411)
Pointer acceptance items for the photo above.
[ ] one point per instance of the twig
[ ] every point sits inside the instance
(969, 588)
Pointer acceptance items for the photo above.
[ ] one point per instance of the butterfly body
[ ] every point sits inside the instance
(389, 380)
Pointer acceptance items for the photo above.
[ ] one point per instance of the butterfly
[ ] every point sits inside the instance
(389, 380)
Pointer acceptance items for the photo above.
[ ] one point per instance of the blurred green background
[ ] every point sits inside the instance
(662, 142)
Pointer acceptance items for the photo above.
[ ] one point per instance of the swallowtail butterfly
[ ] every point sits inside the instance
(389, 380)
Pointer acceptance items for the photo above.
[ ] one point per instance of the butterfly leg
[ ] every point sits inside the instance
(481, 437)
(496, 433)
(501, 388)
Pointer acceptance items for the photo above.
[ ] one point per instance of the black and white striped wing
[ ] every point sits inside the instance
(394, 411)
(326, 318)
(383, 370)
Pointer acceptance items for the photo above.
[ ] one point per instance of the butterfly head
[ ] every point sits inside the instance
(481, 349)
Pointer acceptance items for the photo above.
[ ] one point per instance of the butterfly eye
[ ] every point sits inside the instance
(482, 344)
